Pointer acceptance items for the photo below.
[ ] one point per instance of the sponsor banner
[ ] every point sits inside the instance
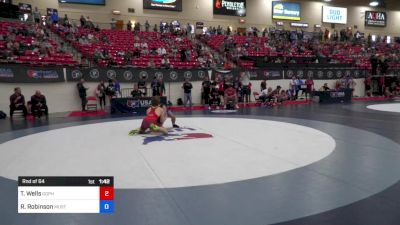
(302, 25)
(133, 75)
(302, 73)
(393, 73)
(375, 19)
(230, 7)
(137, 106)
(335, 96)
(50, 11)
(199, 25)
(261, 74)
(285, 10)
(25, 8)
(334, 15)
(267, 74)
(171, 5)
(21, 74)
(324, 73)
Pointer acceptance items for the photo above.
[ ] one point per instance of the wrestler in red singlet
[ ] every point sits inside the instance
(151, 118)
(155, 117)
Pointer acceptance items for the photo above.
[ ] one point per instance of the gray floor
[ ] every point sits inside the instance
(338, 189)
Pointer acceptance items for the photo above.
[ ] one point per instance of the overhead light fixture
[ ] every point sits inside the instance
(327, 0)
(373, 3)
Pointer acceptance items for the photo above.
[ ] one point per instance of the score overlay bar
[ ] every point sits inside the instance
(65, 194)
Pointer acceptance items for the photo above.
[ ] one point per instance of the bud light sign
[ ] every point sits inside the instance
(375, 19)
(334, 15)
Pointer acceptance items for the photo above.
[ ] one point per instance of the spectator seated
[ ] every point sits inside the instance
(29, 43)
(39, 105)
(231, 98)
(124, 47)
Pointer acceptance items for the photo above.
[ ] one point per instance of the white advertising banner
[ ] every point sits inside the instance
(334, 15)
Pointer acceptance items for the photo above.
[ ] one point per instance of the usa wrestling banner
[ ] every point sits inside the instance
(25, 74)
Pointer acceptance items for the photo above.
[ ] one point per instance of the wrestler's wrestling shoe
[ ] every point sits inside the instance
(175, 126)
(133, 132)
(154, 127)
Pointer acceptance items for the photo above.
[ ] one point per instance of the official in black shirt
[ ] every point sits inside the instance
(82, 93)
(187, 89)
(206, 88)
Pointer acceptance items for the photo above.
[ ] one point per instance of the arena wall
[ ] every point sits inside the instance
(258, 13)
(63, 97)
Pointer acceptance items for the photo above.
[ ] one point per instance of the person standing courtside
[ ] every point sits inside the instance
(156, 87)
(82, 93)
(187, 90)
(245, 81)
(17, 102)
(206, 89)
(101, 94)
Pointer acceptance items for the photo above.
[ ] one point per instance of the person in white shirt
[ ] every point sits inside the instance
(113, 24)
(265, 94)
(165, 62)
(90, 37)
(161, 51)
(293, 88)
(245, 80)
(144, 45)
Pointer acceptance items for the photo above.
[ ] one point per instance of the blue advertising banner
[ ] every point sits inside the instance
(285, 10)
(19, 74)
(136, 106)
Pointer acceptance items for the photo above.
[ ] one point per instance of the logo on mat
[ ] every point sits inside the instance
(128, 75)
(111, 74)
(94, 73)
(173, 75)
(76, 74)
(178, 134)
(347, 72)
